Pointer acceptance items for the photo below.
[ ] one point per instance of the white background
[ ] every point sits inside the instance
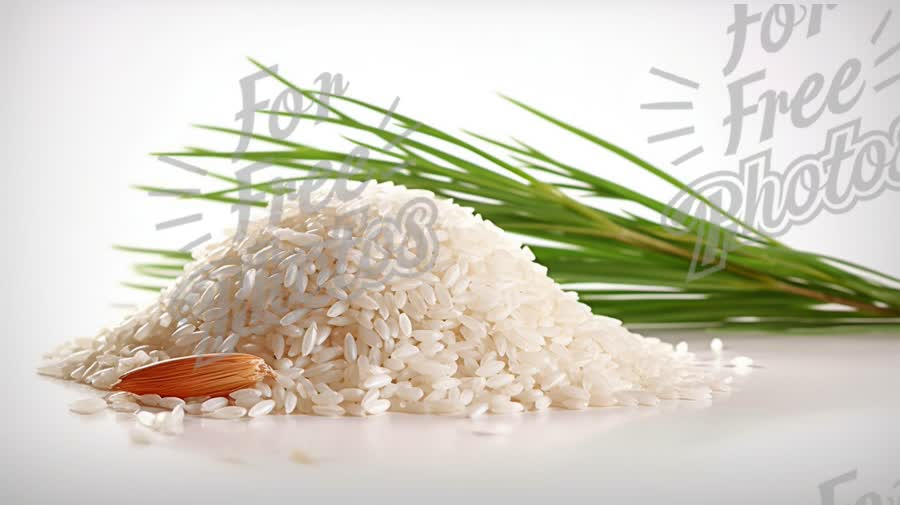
(90, 88)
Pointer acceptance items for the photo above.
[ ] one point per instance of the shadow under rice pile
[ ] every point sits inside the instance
(393, 300)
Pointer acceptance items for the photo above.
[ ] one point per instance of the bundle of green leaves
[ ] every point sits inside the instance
(623, 265)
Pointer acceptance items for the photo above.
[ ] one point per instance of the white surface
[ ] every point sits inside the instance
(811, 409)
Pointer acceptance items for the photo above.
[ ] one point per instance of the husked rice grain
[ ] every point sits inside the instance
(146, 418)
(213, 404)
(170, 402)
(126, 407)
(87, 405)
(150, 400)
(378, 406)
(230, 412)
(328, 410)
(262, 408)
(246, 393)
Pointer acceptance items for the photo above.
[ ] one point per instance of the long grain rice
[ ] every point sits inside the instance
(479, 328)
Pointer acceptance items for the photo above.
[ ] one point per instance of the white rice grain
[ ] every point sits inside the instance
(262, 408)
(378, 406)
(230, 412)
(213, 404)
(87, 406)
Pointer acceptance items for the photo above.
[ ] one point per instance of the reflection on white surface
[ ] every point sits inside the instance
(810, 409)
(409, 438)
(385, 439)
(393, 437)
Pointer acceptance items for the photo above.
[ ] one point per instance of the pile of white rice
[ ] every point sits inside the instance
(482, 329)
